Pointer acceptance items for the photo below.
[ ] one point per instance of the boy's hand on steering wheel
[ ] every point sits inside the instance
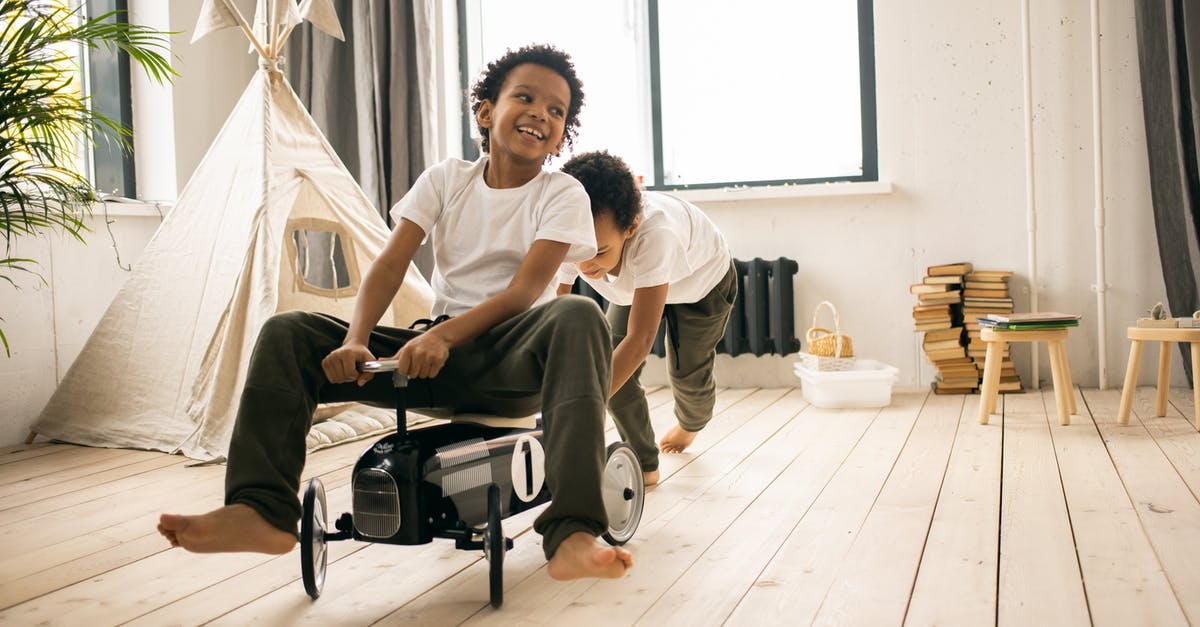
(341, 365)
(423, 356)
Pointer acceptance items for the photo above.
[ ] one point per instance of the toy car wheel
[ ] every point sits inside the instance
(494, 546)
(624, 493)
(313, 556)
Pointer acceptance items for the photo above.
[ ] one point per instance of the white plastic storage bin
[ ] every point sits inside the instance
(867, 384)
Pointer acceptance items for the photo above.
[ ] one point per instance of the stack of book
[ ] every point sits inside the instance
(1033, 321)
(985, 292)
(939, 313)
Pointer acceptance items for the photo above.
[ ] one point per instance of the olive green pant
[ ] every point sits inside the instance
(556, 357)
(695, 330)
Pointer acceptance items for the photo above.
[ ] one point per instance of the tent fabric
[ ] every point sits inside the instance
(165, 366)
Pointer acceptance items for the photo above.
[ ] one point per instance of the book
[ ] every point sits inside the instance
(1034, 316)
(1027, 326)
(928, 288)
(960, 268)
(978, 293)
(975, 308)
(946, 353)
(928, 345)
(949, 296)
(975, 300)
(985, 285)
(949, 279)
(958, 389)
(944, 334)
(996, 276)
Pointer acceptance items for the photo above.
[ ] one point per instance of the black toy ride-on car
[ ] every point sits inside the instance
(456, 481)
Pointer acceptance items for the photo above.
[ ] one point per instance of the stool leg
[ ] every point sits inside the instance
(1131, 373)
(991, 379)
(1060, 386)
(31, 437)
(1164, 378)
(1069, 383)
(1196, 382)
(992, 407)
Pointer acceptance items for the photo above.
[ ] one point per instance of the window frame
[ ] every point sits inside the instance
(867, 106)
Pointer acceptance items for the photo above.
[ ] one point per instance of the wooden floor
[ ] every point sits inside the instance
(780, 514)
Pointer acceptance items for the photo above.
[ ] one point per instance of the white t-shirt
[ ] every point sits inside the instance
(675, 243)
(481, 235)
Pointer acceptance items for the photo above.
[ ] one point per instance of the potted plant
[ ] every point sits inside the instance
(44, 116)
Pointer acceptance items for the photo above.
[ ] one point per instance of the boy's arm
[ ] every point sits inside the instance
(645, 316)
(379, 287)
(425, 355)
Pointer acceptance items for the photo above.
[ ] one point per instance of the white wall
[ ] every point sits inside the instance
(950, 141)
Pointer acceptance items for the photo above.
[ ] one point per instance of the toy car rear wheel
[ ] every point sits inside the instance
(624, 493)
(494, 547)
(313, 556)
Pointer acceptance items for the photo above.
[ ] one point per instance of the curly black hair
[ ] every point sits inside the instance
(609, 184)
(490, 81)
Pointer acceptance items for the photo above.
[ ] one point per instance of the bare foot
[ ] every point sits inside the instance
(581, 555)
(676, 440)
(231, 528)
(649, 478)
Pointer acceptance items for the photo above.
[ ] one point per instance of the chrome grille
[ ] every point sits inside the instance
(376, 504)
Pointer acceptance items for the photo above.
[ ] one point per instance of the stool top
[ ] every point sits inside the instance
(988, 334)
(1164, 334)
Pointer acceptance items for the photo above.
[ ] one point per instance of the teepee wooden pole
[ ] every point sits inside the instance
(245, 26)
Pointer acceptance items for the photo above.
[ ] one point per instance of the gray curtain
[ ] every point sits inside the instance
(368, 93)
(1168, 48)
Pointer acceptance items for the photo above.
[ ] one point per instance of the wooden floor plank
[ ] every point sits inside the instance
(1124, 582)
(876, 581)
(1175, 433)
(63, 558)
(1040, 582)
(734, 560)
(39, 473)
(730, 477)
(86, 488)
(19, 452)
(956, 581)
(793, 584)
(1166, 507)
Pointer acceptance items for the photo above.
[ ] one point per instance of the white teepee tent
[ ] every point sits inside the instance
(270, 221)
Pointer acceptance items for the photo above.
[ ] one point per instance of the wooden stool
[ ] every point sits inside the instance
(1060, 371)
(1164, 337)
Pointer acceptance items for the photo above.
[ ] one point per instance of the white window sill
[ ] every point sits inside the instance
(779, 192)
(129, 207)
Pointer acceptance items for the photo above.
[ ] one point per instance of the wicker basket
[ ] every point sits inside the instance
(827, 350)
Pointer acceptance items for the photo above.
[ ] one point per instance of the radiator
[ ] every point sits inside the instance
(762, 321)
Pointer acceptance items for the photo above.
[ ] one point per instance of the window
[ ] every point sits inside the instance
(704, 93)
(322, 257)
(108, 86)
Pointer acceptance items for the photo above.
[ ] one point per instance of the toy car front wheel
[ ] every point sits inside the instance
(494, 546)
(624, 493)
(313, 556)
